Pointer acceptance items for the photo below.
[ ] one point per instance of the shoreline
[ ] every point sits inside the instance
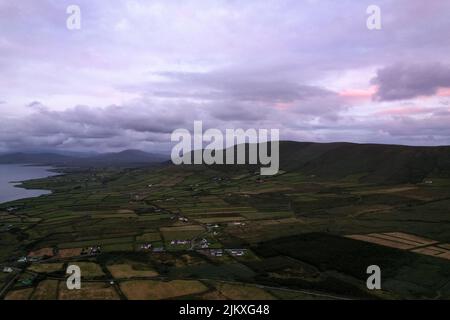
(22, 184)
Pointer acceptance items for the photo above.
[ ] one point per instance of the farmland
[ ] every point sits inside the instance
(209, 233)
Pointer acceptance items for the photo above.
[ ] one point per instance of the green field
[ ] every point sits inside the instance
(292, 226)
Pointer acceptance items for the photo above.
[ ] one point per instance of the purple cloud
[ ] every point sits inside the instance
(407, 81)
(139, 69)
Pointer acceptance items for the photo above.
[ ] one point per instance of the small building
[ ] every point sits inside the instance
(146, 246)
(179, 242)
(216, 252)
(94, 250)
(7, 270)
(237, 252)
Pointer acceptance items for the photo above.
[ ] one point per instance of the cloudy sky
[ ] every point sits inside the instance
(137, 70)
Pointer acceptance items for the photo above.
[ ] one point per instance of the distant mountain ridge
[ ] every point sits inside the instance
(371, 162)
(126, 158)
(378, 163)
(340, 160)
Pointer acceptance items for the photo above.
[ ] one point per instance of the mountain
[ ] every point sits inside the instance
(33, 158)
(127, 158)
(364, 162)
(370, 162)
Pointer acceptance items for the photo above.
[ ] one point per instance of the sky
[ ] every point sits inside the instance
(137, 70)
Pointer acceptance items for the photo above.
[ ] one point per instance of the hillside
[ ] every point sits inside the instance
(370, 162)
(363, 162)
(127, 158)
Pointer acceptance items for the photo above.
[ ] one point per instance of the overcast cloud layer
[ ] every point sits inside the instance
(139, 69)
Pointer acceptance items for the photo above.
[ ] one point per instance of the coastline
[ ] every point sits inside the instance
(26, 184)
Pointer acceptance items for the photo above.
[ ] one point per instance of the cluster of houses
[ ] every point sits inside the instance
(180, 242)
(216, 252)
(149, 246)
(232, 252)
(204, 244)
(91, 251)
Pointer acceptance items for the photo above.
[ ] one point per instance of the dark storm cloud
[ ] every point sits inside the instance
(406, 81)
(84, 126)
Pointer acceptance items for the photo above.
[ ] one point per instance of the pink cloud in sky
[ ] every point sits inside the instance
(283, 105)
(359, 94)
(403, 111)
(443, 92)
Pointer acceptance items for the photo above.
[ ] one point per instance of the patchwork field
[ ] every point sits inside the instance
(120, 271)
(157, 290)
(405, 241)
(211, 233)
(88, 291)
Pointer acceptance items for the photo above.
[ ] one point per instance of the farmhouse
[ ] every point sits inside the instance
(237, 252)
(180, 242)
(7, 270)
(146, 246)
(216, 252)
(91, 251)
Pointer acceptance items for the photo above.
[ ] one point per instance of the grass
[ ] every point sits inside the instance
(46, 290)
(122, 271)
(159, 290)
(46, 267)
(241, 292)
(88, 291)
(22, 294)
(89, 269)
